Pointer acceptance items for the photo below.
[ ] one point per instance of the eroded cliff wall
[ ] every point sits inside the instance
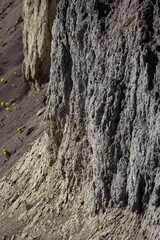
(37, 37)
(94, 174)
(103, 105)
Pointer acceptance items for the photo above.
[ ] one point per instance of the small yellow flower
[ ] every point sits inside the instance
(4, 151)
(2, 79)
(6, 103)
(7, 108)
(14, 104)
(15, 73)
(2, 103)
(13, 85)
(15, 107)
(21, 15)
(3, 3)
(18, 138)
(18, 129)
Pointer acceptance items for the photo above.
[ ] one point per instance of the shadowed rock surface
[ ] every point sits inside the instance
(95, 172)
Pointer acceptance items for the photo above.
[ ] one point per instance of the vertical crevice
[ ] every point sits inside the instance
(151, 61)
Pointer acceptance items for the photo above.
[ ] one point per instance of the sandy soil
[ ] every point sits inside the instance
(13, 90)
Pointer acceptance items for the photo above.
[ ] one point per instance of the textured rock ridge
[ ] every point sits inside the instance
(37, 37)
(103, 106)
(95, 172)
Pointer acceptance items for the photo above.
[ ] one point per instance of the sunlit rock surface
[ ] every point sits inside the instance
(94, 173)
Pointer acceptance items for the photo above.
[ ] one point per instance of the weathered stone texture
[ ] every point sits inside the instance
(95, 173)
(38, 21)
(103, 106)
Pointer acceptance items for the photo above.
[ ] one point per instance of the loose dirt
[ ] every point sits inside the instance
(22, 104)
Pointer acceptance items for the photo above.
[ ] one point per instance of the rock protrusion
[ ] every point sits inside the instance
(37, 37)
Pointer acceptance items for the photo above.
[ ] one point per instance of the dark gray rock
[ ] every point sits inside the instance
(103, 114)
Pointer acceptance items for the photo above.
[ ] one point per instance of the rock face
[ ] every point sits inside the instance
(103, 104)
(95, 172)
(38, 21)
